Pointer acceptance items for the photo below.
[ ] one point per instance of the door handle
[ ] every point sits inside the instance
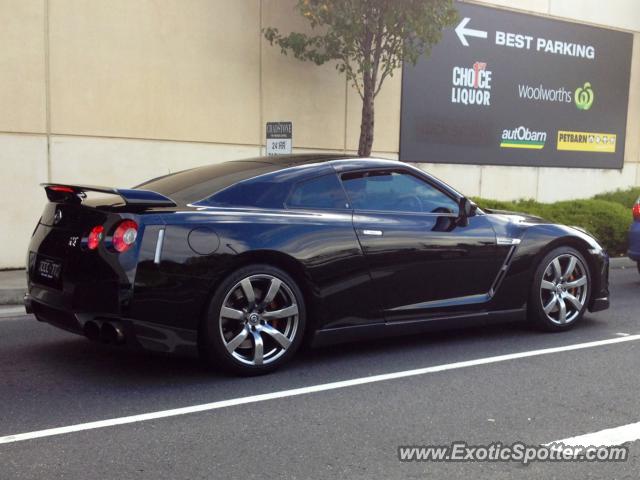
(373, 233)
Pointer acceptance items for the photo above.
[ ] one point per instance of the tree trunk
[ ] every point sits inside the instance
(366, 125)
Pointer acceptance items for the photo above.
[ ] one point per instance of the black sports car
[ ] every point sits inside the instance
(243, 261)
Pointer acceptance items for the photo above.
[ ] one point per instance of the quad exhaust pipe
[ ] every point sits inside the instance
(111, 332)
(92, 331)
(105, 331)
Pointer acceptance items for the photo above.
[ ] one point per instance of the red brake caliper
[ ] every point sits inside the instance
(276, 322)
(575, 289)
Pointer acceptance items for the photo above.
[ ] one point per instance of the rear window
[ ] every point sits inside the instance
(199, 183)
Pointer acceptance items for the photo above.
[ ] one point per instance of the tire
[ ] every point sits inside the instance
(560, 290)
(255, 321)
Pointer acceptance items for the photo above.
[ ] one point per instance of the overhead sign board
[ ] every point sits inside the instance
(279, 136)
(508, 88)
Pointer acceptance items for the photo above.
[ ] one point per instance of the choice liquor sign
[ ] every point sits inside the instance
(508, 88)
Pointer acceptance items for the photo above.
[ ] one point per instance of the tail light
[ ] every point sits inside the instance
(95, 237)
(636, 210)
(61, 188)
(125, 235)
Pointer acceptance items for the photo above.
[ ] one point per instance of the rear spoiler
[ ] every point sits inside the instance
(58, 192)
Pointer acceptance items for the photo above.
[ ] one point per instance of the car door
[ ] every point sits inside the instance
(423, 261)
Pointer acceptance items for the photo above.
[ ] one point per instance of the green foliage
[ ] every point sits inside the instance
(606, 216)
(367, 38)
(624, 197)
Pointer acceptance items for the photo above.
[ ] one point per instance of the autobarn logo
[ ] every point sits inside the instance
(523, 137)
(471, 86)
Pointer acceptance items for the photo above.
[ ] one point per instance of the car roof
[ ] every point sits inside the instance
(298, 159)
(340, 161)
(196, 184)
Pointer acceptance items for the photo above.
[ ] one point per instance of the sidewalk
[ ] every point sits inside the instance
(13, 283)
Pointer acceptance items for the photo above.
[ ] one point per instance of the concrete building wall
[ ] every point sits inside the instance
(23, 124)
(116, 91)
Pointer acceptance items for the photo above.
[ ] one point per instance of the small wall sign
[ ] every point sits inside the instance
(279, 135)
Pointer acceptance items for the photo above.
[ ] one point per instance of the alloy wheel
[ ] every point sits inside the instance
(259, 319)
(564, 289)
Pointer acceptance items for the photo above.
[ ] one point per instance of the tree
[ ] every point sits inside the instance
(369, 40)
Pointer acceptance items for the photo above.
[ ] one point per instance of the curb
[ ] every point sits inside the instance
(621, 262)
(13, 286)
(11, 296)
(11, 311)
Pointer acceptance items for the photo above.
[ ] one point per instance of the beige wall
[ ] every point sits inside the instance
(622, 14)
(22, 66)
(117, 91)
(24, 165)
(170, 69)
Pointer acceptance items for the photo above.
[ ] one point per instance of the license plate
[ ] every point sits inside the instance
(49, 270)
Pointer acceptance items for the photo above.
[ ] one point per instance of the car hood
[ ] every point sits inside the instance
(516, 217)
(522, 221)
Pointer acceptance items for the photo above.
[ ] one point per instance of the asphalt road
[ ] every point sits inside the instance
(49, 379)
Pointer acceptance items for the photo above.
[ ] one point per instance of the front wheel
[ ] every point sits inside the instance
(560, 290)
(255, 321)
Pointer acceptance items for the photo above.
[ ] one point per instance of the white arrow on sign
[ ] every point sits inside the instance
(463, 32)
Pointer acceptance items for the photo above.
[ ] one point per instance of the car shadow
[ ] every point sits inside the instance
(501, 334)
(77, 358)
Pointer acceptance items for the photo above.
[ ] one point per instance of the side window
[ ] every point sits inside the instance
(321, 192)
(395, 190)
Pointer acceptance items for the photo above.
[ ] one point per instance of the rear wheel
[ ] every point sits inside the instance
(560, 290)
(255, 321)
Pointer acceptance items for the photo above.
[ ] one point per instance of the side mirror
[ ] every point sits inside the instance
(466, 210)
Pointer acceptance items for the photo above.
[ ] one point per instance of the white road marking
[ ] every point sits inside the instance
(604, 438)
(622, 334)
(306, 390)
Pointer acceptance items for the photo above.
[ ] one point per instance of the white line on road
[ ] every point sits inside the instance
(604, 438)
(306, 390)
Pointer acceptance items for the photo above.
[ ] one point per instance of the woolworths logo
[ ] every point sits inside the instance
(544, 94)
(522, 137)
(584, 97)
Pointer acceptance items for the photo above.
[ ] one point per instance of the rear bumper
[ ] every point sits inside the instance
(136, 334)
(81, 297)
(54, 316)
